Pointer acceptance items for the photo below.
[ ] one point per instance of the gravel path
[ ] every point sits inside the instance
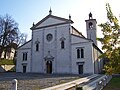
(33, 81)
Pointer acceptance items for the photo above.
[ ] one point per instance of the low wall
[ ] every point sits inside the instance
(96, 84)
(4, 68)
(71, 85)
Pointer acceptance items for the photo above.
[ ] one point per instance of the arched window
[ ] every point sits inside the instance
(62, 45)
(78, 53)
(37, 47)
(90, 25)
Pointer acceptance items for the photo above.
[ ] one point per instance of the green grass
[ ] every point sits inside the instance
(6, 62)
(114, 84)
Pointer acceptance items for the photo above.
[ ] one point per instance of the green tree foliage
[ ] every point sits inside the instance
(111, 42)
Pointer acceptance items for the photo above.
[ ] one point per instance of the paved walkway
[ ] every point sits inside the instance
(34, 81)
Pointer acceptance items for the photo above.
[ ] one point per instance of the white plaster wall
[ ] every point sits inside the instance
(98, 62)
(37, 56)
(61, 62)
(38, 62)
(88, 66)
(50, 46)
(20, 62)
(63, 55)
(95, 59)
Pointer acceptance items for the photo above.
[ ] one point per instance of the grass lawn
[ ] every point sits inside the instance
(6, 62)
(114, 84)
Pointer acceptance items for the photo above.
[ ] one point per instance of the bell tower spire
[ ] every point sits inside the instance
(90, 16)
(50, 11)
(91, 28)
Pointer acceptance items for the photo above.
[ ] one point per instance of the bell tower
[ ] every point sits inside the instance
(91, 28)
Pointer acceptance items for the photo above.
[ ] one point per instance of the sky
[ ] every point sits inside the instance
(25, 12)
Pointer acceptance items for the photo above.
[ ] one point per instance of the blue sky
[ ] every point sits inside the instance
(25, 12)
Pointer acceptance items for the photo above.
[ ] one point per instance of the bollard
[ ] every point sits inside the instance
(14, 84)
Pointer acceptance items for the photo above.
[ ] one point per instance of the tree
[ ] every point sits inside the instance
(111, 42)
(9, 33)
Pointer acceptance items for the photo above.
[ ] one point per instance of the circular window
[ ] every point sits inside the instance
(49, 37)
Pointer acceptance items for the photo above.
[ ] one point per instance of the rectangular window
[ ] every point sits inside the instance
(25, 56)
(80, 53)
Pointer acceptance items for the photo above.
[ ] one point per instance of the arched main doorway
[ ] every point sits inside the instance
(49, 67)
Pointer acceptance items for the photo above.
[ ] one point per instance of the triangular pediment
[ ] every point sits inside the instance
(51, 20)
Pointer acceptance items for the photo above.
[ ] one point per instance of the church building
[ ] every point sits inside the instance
(57, 47)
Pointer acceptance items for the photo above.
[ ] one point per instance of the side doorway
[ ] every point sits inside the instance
(24, 68)
(80, 69)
